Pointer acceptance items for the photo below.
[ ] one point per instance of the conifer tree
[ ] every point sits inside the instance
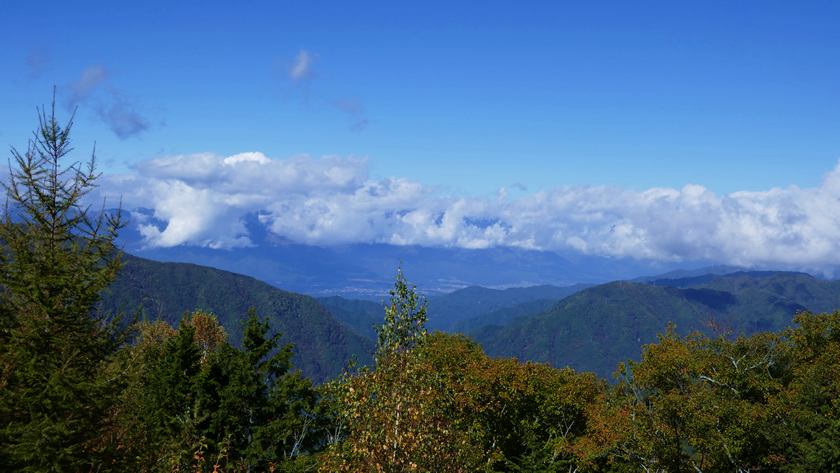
(55, 347)
(245, 409)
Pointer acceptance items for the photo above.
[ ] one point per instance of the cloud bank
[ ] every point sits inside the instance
(204, 198)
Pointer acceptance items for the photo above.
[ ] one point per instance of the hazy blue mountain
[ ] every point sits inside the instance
(447, 310)
(366, 271)
(323, 345)
(814, 294)
(680, 274)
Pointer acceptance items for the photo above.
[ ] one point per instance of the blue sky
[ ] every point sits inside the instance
(462, 98)
(469, 95)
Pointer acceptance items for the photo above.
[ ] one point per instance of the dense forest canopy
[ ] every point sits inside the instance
(82, 390)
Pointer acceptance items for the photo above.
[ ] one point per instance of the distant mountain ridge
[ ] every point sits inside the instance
(447, 311)
(717, 270)
(598, 327)
(504, 316)
(706, 278)
(366, 271)
(360, 316)
(543, 322)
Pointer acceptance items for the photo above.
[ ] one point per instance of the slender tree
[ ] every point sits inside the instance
(56, 348)
(398, 415)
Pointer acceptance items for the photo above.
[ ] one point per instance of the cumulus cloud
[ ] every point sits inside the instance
(119, 111)
(331, 201)
(204, 197)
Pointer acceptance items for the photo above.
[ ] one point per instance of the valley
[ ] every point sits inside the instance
(584, 326)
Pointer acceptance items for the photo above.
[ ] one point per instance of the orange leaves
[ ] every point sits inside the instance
(719, 403)
(398, 421)
(448, 407)
(209, 335)
(154, 333)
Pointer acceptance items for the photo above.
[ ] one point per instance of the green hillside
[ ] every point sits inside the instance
(598, 327)
(464, 304)
(815, 294)
(458, 311)
(594, 329)
(504, 316)
(358, 315)
(166, 290)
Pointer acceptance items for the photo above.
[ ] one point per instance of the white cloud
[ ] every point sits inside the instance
(246, 157)
(329, 201)
(301, 69)
(203, 197)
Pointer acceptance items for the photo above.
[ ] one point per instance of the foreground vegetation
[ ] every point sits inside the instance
(82, 390)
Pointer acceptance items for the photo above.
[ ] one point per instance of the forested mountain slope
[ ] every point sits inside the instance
(453, 312)
(166, 290)
(598, 327)
(504, 316)
(815, 294)
(358, 315)
(448, 309)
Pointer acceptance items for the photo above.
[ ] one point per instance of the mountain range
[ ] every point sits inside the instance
(590, 325)
(596, 327)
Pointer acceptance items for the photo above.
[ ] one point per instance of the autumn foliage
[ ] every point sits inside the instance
(82, 390)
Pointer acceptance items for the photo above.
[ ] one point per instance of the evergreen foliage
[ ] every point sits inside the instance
(241, 409)
(167, 290)
(55, 347)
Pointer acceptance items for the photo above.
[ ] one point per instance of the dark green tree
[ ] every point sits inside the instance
(242, 409)
(57, 381)
(809, 407)
(262, 408)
